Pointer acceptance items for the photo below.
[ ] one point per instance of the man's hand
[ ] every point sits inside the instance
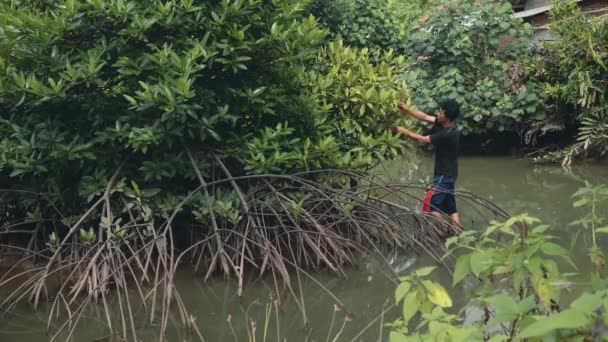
(414, 136)
(396, 129)
(403, 107)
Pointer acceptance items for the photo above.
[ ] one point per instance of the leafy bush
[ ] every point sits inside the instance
(463, 51)
(573, 72)
(375, 24)
(88, 84)
(136, 134)
(518, 296)
(353, 103)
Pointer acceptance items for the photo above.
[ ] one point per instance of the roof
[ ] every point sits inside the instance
(535, 11)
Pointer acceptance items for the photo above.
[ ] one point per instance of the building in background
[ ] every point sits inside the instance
(536, 13)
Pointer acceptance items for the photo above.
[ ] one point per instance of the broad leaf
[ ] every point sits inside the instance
(551, 248)
(480, 261)
(461, 269)
(504, 303)
(437, 294)
(568, 319)
(397, 337)
(402, 289)
(411, 303)
(425, 271)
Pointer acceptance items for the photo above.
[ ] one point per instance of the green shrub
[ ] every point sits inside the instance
(87, 84)
(518, 296)
(573, 72)
(136, 135)
(375, 24)
(462, 51)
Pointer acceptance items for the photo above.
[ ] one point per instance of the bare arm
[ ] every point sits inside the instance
(425, 139)
(416, 114)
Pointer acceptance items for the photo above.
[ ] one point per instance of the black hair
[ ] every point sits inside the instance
(451, 109)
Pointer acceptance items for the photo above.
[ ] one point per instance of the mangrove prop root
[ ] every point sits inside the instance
(331, 228)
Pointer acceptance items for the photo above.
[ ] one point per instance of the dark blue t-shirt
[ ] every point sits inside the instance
(446, 141)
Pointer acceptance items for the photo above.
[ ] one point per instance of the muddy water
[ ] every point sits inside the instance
(515, 185)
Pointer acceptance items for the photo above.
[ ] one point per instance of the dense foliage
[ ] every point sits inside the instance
(122, 108)
(375, 24)
(573, 72)
(86, 85)
(518, 263)
(138, 135)
(472, 51)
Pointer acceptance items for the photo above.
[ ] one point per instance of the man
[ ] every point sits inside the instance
(445, 138)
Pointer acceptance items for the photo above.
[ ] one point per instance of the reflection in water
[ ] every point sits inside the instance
(513, 184)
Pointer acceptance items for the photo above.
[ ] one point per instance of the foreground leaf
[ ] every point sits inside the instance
(438, 295)
(462, 269)
(569, 319)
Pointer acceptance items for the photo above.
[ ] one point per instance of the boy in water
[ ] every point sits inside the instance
(445, 139)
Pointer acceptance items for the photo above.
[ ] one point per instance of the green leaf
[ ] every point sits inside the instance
(545, 292)
(581, 202)
(527, 304)
(588, 302)
(131, 100)
(402, 289)
(498, 338)
(150, 192)
(554, 249)
(16, 172)
(504, 303)
(425, 271)
(396, 336)
(568, 319)
(518, 278)
(480, 261)
(461, 269)
(136, 188)
(411, 303)
(540, 229)
(602, 230)
(437, 294)
(464, 334)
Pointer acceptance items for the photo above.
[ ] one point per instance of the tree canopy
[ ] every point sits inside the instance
(86, 85)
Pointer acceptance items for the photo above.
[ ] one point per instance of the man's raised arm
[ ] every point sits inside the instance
(416, 114)
(414, 136)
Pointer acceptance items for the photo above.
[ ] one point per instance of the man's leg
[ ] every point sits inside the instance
(437, 215)
(439, 201)
(450, 205)
(455, 217)
(442, 226)
(453, 225)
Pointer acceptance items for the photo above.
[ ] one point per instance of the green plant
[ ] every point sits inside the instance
(87, 85)
(473, 52)
(163, 122)
(595, 199)
(572, 71)
(519, 295)
(373, 24)
(87, 237)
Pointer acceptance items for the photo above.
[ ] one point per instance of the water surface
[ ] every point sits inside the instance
(513, 184)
